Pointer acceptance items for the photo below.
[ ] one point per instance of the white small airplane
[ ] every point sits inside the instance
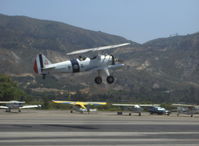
(16, 105)
(136, 108)
(80, 106)
(97, 63)
(188, 109)
(129, 107)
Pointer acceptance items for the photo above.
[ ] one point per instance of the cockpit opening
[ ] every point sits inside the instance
(94, 57)
(81, 58)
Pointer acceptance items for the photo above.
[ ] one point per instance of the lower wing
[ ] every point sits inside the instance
(107, 67)
(115, 66)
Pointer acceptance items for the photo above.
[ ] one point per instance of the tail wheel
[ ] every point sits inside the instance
(110, 79)
(98, 80)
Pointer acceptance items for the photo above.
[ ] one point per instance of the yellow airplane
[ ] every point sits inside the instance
(79, 105)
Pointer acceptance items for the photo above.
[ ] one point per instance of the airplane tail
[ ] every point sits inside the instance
(40, 63)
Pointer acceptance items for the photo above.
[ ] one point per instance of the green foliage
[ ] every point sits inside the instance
(9, 89)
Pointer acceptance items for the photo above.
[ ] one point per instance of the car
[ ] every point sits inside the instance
(159, 110)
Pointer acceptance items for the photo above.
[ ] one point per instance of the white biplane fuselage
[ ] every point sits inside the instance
(82, 64)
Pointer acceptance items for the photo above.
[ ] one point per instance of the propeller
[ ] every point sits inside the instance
(116, 60)
(113, 59)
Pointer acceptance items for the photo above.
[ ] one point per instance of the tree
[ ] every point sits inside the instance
(9, 89)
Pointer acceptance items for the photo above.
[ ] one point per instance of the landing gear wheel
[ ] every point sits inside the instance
(98, 80)
(43, 76)
(8, 110)
(110, 79)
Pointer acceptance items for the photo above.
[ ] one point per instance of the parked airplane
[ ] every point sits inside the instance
(79, 105)
(188, 109)
(137, 108)
(129, 107)
(16, 105)
(97, 63)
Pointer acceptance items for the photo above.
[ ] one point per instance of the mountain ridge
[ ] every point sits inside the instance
(161, 70)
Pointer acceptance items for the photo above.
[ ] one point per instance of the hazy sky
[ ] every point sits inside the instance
(136, 20)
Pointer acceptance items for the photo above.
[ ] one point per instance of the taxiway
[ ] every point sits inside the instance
(41, 127)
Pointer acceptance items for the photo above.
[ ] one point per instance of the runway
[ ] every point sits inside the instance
(40, 127)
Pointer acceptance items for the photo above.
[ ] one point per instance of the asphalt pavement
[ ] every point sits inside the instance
(54, 127)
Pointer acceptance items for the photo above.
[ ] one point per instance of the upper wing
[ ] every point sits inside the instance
(148, 105)
(4, 101)
(4, 107)
(65, 102)
(79, 102)
(82, 104)
(95, 103)
(127, 105)
(136, 105)
(12, 101)
(97, 49)
(29, 106)
(186, 105)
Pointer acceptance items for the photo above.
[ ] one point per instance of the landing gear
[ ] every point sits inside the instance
(43, 76)
(110, 79)
(8, 110)
(98, 80)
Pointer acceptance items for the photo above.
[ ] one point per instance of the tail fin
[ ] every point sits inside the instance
(40, 63)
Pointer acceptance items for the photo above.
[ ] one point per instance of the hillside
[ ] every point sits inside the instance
(162, 70)
(179, 56)
(166, 69)
(23, 37)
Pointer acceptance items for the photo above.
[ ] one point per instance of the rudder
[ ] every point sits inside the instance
(40, 63)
